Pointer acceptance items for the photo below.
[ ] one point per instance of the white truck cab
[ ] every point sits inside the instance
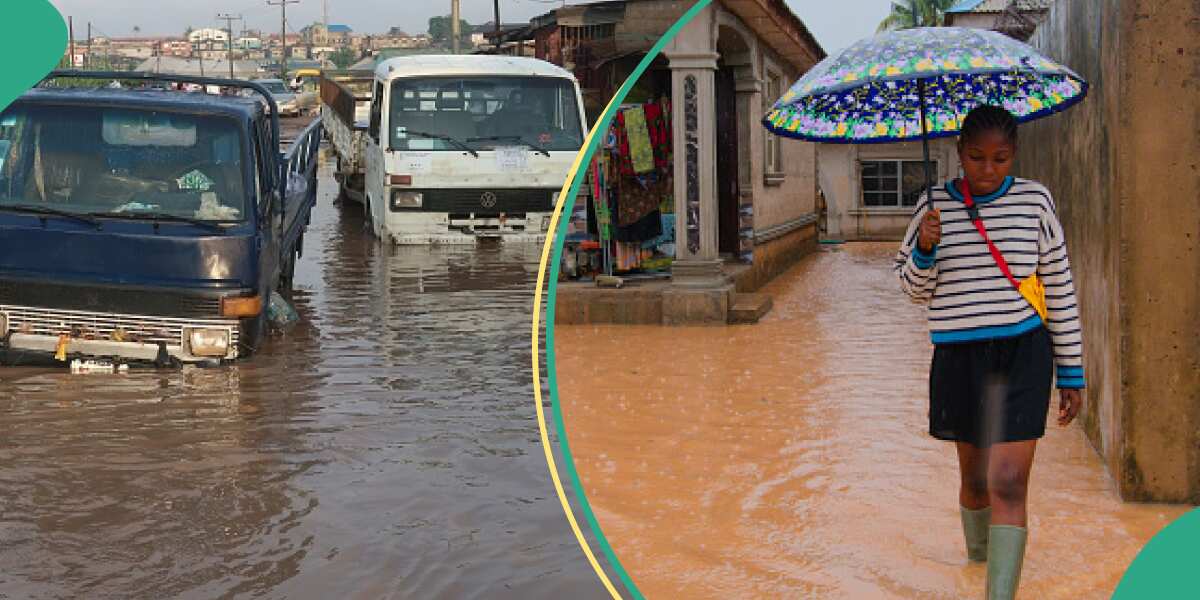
(460, 147)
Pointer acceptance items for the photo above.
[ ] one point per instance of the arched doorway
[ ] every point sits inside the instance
(733, 154)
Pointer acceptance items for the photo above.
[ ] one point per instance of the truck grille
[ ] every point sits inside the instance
(471, 200)
(99, 299)
(100, 326)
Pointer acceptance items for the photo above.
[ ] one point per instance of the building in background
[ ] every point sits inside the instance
(1014, 18)
(738, 204)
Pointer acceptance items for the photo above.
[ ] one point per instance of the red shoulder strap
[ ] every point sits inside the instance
(965, 189)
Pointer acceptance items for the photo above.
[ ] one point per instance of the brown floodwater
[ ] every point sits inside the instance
(790, 458)
(385, 447)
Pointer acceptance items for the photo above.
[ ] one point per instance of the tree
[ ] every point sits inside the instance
(439, 28)
(907, 14)
(343, 57)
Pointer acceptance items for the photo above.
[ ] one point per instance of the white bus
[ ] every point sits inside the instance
(461, 147)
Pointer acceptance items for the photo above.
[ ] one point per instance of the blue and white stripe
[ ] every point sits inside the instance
(969, 298)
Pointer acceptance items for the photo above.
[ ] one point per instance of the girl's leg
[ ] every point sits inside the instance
(973, 471)
(975, 505)
(1008, 480)
(1008, 483)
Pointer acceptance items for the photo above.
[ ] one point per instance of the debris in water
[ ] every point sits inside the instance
(280, 312)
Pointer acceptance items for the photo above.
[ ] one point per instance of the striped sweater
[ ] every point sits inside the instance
(969, 298)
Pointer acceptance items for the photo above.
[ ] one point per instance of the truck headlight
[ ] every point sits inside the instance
(3, 324)
(208, 342)
(404, 199)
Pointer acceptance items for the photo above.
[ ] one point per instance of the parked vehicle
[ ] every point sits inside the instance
(143, 225)
(457, 148)
(349, 96)
(287, 100)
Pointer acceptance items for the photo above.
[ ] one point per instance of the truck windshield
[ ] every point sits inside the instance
(114, 162)
(485, 112)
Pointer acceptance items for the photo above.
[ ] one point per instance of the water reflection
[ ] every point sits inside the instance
(384, 447)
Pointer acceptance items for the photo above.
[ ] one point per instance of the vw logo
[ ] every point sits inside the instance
(487, 200)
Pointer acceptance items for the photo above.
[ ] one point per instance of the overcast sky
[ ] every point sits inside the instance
(835, 24)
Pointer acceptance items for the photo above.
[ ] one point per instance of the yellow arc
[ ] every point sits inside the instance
(537, 375)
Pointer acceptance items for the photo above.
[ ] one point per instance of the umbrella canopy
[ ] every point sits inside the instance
(878, 89)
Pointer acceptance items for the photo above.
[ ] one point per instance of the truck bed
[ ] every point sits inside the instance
(338, 112)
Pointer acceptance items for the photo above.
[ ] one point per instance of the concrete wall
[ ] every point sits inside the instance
(794, 195)
(645, 23)
(838, 167)
(1124, 166)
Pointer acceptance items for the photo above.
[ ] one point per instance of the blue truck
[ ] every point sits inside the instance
(144, 225)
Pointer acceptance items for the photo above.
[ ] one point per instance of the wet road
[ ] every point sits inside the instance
(789, 459)
(384, 448)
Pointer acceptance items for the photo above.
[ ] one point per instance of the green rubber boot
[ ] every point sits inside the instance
(975, 531)
(1006, 552)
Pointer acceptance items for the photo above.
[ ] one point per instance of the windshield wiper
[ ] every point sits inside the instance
(519, 138)
(46, 210)
(451, 139)
(159, 216)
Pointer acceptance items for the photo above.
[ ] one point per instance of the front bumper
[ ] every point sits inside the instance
(140, 338)
(423, 228)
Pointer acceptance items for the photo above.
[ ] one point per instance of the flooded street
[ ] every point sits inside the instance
(385, 447)
(790, 458)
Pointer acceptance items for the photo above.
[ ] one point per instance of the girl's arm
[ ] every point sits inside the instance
(916, 270)
(1062, 312)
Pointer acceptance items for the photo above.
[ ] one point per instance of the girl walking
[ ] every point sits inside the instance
(977, 252)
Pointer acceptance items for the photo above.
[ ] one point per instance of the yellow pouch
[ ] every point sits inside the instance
(1032, 290)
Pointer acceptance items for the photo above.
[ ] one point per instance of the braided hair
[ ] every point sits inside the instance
(987, 117)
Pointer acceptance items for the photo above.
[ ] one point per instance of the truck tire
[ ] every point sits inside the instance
(254, 334)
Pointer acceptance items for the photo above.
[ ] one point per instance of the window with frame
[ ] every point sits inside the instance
(892, 183)
(774, 152)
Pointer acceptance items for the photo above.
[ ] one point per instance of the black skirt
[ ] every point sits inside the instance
(993, 391)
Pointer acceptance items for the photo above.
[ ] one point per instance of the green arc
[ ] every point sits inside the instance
(556, 258)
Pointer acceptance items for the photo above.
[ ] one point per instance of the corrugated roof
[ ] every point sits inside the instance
(996, 6)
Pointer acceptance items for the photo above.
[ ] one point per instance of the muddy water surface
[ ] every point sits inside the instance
(790, 459)
(384, 448)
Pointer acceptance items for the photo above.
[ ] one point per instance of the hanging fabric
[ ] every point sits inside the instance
(638, 198)
(641, 151)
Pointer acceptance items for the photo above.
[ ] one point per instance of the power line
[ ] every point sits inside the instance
(229, 19)
(282, 4)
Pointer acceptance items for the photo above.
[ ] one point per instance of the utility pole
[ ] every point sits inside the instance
(455, 30)
(229, 19)
(71, 33)
(282, 4)
(497, 6)
(87, 58)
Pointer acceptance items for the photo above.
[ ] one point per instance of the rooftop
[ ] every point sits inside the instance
(469, 64)
(997, 6)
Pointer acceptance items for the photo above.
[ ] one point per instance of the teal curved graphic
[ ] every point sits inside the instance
(33, 36)
(556, 262)
(1166, 568)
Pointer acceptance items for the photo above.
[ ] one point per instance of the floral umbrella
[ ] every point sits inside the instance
(919, 84)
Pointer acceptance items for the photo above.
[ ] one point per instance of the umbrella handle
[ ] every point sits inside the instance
(925, 140)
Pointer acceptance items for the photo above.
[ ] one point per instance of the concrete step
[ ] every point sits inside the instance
(749, 308)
